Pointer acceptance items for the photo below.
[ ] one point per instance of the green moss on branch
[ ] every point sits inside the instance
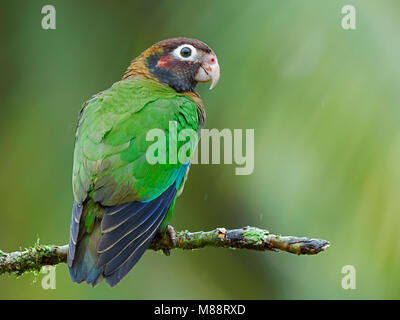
(245, 238)
(33, 259)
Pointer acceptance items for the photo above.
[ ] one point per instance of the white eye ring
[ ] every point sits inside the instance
(192, 57)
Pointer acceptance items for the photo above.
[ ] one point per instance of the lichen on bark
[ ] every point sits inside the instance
(253, 238)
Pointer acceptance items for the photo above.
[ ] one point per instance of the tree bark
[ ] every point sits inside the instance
(253, 238)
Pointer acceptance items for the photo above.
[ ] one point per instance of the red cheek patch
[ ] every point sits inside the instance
(164, 61)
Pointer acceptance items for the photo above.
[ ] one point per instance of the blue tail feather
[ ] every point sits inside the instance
(118, 239)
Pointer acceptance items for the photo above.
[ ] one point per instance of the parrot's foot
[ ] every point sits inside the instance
(171, 234)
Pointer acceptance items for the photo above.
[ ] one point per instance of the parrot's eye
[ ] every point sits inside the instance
(186, 52)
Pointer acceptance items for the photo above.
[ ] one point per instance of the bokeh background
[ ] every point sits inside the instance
(324, 103)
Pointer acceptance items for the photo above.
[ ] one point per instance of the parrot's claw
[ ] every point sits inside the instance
(169, 236)
(171, 232)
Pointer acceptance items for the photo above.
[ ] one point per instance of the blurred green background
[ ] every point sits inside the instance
(324, 103)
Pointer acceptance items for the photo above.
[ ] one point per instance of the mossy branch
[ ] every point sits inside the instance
(33, 259)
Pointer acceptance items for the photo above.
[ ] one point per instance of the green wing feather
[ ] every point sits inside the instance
(110, 162)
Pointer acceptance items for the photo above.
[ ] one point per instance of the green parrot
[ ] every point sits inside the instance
(121, 200)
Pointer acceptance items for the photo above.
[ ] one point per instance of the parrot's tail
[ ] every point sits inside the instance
(82, 253)
(106, 242)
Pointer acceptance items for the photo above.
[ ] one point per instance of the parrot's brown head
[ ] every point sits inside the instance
(180, 63)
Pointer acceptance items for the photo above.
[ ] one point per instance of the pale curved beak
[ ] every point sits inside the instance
(209, 70)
